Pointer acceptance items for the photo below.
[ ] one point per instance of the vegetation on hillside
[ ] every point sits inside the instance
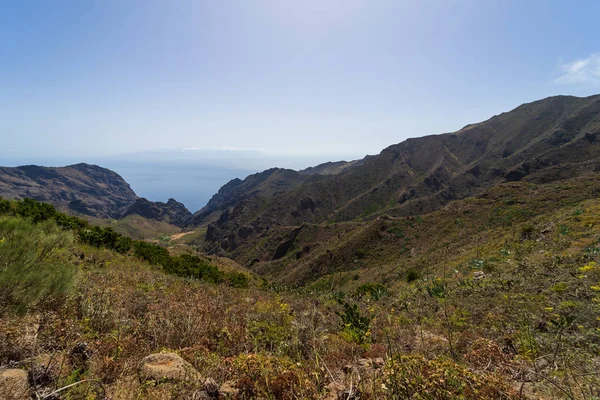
(494, 297)
(105, 237)
(30, 272)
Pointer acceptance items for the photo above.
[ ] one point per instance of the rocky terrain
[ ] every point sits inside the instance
(456, 266)
(539, 142)
(87, 190)
(172, 212)
(82, 188)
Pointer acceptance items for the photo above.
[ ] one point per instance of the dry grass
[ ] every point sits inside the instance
(527, 328)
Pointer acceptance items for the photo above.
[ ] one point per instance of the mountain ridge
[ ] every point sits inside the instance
(87, 190)
(538, 141)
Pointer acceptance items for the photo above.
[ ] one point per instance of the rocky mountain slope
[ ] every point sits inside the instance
(538, 142)
(172, 212)
(266, 184)
(88, 190)
(81, 188)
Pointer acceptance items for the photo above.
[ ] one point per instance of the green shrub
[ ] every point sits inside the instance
(527, 232)
(151, 253)
(414, 377)
(30, 272)
(123, 244)
(356, 326)
(437, 289)
(237, 279)
(184, 265)
(193, 267)
(35, 211)
(69, 222)
(412, 275)
(4, 206)
(374, 290)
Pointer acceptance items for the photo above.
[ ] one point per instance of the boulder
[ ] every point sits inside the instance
(14, 384)
(166, 366)
(478, 275)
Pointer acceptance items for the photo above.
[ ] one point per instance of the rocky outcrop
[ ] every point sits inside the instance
(265, 184)
(80, 189)
(172, 212)
(538, 142)
(166, 366)
(86, 190)
(14, 384)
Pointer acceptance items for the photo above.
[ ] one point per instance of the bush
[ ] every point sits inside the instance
(412, 275)
(4, 206)
(527, 232)
(414, 377)
(184, 265)
(374, 290)
(193, 267)
(35, 211)
(356, 326)
(151, 253)
(237, 279)
(29, 271)
(69, 222)
(123, 244)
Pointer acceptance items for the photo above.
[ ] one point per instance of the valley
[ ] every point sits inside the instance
(460, 265)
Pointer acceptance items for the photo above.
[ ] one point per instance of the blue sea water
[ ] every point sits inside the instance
(190, 177)
(192, 185)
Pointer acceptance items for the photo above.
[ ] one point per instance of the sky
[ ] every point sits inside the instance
(330, 78)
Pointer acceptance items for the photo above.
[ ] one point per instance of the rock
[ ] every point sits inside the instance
(81, 188)
(378, 362)
(477, 275)
(166, 366)
(333, 389)
(228, 391)
(14, 384)
(172, 211)
(542, 363)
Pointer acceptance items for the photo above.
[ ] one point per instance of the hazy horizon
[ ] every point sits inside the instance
(190, 176)
(270, 83)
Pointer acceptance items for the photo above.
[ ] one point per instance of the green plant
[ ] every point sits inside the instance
(35, 211)
(237, 279)
(356, 326)
(414, 377)
(4, 206)
(374, 290)
(412, 275)
(436, 289)
(564, 230)
(527, 232)
(29, 271)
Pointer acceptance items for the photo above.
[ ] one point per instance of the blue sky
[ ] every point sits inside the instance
(338, 78)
